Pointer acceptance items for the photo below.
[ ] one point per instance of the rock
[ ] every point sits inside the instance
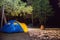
(46, 35)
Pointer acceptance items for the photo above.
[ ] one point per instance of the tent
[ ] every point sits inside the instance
(14, 26)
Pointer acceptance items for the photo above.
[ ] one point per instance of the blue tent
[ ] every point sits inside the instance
(11, 26)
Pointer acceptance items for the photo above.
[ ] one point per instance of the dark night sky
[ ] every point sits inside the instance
(55, 20)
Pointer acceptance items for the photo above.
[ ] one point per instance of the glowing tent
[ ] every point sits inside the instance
(14, 26)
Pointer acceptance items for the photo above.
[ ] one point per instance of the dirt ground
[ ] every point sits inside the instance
(14, 36)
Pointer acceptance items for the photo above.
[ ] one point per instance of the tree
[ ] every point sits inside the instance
(27, 10)
(14, 8)
(59, 3)
(42, 10)
(3, 16)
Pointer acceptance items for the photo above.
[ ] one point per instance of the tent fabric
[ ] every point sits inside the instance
(24, 27)
(12, 26)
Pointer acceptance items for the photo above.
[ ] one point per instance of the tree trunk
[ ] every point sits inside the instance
(3, 17)
(42, 27)
(32, 19)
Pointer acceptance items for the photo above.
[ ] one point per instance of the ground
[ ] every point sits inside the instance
(14, 36)
(33, 34)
